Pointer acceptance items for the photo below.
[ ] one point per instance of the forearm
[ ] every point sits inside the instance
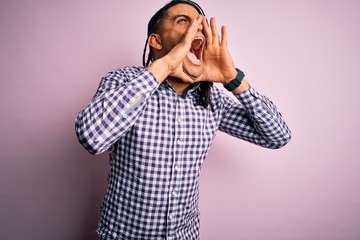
(255, 120)
(159, 69)
(266, 119)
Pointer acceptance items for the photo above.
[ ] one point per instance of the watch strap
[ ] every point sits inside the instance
(236, 81)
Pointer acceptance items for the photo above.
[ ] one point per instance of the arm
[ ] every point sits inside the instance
(122, 95)
(119, 100)
(256, 120)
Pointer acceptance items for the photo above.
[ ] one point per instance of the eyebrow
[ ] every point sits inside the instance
(181, 15)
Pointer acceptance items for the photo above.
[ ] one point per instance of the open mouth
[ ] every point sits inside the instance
(196, 50)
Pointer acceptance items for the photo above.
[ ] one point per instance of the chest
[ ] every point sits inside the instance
(171, 120)
(171, 135)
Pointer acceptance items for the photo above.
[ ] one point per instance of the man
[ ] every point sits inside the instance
(158, 121)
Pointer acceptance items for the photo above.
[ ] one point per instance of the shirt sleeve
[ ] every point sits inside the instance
(119, 100)
(254, 119)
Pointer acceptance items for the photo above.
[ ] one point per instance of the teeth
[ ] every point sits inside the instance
(197, 42)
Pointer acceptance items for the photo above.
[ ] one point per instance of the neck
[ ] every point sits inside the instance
(178, 85)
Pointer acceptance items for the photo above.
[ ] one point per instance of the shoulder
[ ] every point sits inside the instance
(218, 97)
(221, 98)
(125, 73)
(218, 94)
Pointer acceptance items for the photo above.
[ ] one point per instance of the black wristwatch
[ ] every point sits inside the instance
(236, 81)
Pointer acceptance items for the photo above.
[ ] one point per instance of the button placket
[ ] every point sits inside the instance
(179, 142)
(173, 193)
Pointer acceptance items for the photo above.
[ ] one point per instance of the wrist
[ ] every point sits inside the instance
(159, 69)
(235, 82)
(232, 75)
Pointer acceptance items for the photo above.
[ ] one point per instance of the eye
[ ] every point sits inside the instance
(182, 20)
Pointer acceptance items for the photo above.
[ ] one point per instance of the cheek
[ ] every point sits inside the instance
(169, 44)
(173, 39)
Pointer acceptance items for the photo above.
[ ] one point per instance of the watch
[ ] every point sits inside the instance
(236, 81)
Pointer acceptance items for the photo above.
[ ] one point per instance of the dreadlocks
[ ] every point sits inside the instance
(203, 97)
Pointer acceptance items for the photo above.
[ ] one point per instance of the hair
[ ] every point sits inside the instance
(203, 97)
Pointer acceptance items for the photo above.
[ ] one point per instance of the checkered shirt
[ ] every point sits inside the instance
(157, 142)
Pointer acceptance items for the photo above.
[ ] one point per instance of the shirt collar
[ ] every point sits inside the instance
(191, 89)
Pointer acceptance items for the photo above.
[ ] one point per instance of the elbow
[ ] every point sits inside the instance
(282, 141)
(87, 140)
(91, 145)
(93, 151)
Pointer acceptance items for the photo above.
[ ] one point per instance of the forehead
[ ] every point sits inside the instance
(182, 9)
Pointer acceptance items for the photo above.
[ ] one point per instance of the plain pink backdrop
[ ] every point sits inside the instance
(304, 55)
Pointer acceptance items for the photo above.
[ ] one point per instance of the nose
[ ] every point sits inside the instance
(201, 27)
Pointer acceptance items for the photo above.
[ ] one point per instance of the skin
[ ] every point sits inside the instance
(173, 42)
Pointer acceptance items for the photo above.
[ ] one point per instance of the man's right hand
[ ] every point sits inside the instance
(171, 63)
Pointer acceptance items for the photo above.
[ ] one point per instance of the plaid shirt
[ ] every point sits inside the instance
(157, 141)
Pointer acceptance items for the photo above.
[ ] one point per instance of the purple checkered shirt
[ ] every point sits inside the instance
(157, 142)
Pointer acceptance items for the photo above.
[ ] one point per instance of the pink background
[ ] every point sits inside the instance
(304, 55)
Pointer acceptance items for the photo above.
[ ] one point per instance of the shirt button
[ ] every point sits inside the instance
(123, 114)
(177, 167)
(179, 119)
(179, 142)
(171, 216)
(174, 193)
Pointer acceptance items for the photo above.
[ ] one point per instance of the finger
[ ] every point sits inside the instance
(194, 26)
(178, 53)
(207, 32)
(224, 37)
(183, 47)
(215, 34)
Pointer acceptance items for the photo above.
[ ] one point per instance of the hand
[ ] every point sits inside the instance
(218, 64)
(171, 63)
(176, 56)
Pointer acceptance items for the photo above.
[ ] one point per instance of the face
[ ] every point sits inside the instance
(172, 30)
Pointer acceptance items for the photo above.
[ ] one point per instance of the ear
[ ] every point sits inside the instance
(154, 41)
